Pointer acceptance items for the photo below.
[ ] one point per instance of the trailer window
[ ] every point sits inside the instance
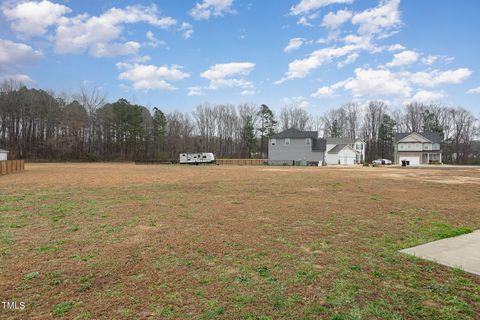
(204, 157)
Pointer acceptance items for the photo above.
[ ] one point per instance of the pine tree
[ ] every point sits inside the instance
(386, 135)
(248, 136)
(267, 125)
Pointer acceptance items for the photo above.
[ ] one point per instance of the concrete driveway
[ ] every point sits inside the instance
(462, 252)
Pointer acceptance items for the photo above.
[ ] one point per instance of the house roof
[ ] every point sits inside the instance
(293, 133)
(319, 145)
(3, 151)
(432, 136)
(337, 148)
(331, 140)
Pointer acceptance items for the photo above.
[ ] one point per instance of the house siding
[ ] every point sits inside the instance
(295, 151)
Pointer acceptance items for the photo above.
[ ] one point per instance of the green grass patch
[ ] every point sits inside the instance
(62, 308)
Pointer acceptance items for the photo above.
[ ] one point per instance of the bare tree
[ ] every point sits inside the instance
(294, 117)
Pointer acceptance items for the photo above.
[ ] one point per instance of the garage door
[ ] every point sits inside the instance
(414, 161)
(347, 160)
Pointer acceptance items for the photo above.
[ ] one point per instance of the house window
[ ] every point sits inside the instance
(436, 146)
(273, 141)
(359, 146)
(307, 142)
(287, 141)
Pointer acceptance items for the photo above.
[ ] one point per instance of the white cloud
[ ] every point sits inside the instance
(247, 92)
(474, 90)
(403, 58)
(384, 83)
(97, 34)
(229, 75)
(379, 20)
(428, 96)
(433, 59)
(350, 59)
(207, 8)
(14, 57)
(377, 83)
(294, 44)
(14, 53)
(301, 68)
(146, 77)
(306, 6)
(323, 92)
(435, 77)
(299, 101)
(335, 20)
(22, 78)
(195, 91)
(430, 60)
(32, 18)
(186, 29)
(304, 22)
(396, 47)
(153, 41)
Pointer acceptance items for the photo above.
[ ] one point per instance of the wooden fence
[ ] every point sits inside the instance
(11, 166)
(242, 162)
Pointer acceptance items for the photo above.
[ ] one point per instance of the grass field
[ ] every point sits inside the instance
(119, 241)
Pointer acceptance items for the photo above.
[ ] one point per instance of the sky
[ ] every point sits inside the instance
(315, 54)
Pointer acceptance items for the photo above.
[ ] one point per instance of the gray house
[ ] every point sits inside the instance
(418, 148)
(293, 146)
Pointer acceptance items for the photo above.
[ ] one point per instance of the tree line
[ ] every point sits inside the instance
(36, 124)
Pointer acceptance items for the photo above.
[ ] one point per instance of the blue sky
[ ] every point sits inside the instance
(316, 54)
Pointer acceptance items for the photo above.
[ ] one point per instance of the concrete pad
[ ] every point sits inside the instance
(462, 252)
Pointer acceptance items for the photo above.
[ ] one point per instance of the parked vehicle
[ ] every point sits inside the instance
(382, 161)
(197, 158)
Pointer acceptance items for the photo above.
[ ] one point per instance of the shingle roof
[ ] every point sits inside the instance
(337, 148)
(432, 136)
(331, 140)
(295, 134)
(319, 145)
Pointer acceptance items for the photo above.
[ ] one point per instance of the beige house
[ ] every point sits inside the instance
(418, 148)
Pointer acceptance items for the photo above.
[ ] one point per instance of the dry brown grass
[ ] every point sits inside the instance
(119, 241)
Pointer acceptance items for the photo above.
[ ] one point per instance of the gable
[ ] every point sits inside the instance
(341, 148)
(347, 150)
(414, 137)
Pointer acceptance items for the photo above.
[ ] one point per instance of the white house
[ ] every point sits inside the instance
(344, 151)
(3, 154)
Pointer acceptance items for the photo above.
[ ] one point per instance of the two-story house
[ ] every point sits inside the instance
(293, 146)
(418, 148)
(344, 151)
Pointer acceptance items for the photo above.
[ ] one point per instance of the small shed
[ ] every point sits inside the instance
(3, 155)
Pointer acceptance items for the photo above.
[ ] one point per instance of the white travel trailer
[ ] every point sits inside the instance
(197, 158)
